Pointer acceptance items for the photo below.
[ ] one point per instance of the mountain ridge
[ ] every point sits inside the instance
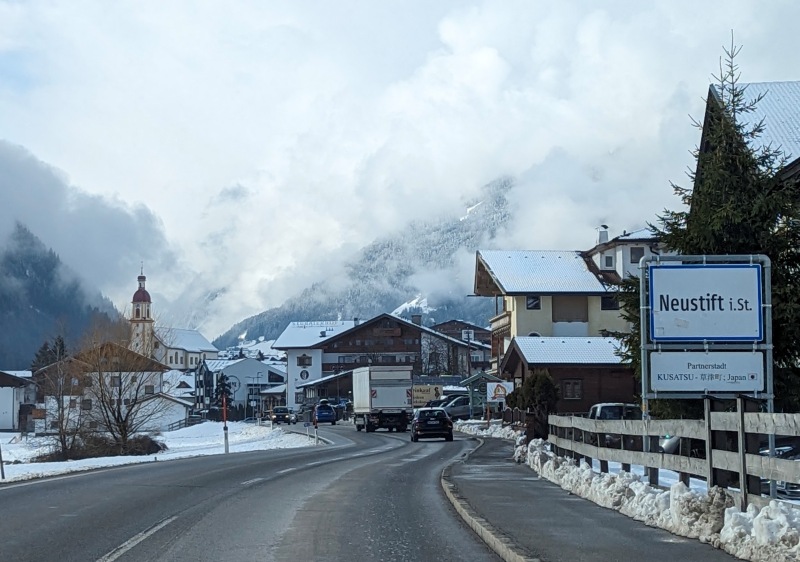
(394, 271)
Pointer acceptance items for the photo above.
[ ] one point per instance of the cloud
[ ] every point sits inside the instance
(256, 147)
(102, 240)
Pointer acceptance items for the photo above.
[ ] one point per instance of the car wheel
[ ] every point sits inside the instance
(413, 438)
(358, 427)
(448, 437)
(333, 423)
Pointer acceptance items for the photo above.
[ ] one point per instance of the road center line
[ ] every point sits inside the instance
(285, 470)
(253, 481)
(136, 539)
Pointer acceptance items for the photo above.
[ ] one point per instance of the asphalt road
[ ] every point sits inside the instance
(365, 497)
(556, 526)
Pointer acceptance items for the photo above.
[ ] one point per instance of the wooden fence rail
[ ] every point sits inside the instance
(623, 441)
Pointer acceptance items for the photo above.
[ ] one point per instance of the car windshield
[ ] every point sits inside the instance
(610, 413)
(432, 414)
(281, 410)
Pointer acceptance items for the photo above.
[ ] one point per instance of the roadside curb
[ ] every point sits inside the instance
(494, 538)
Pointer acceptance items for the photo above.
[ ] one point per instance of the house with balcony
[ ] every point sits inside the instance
(555, 293)
(320, 349)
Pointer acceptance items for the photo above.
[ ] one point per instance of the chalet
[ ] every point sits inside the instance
(558, 293)
(16, 388)
(253, 384)
(586, 370)
(319, 349)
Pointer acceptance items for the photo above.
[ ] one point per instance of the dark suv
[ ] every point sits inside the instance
(431, 422)
(282, 414)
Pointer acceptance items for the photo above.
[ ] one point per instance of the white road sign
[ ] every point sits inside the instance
(717, 371)
(715, 302)
(498, 391)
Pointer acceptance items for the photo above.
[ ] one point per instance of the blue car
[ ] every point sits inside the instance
(324, 413)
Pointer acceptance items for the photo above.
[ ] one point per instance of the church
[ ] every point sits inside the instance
(177, 348)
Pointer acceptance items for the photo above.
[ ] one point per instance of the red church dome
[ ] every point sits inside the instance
(141, 294)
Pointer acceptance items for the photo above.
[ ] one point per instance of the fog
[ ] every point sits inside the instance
(256, 147)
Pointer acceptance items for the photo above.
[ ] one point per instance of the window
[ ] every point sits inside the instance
(358, 342)
(149, 389)
(362, 359)
(609, 302)
(533, 302)
(609, 262)
(115, 381)
(304, 361)
(572, 389)
(86, 404)
(637, 253)
(134, 378)
(73, 403)
(127, 402)
(75, 381)
(54, 424)
(342, 359)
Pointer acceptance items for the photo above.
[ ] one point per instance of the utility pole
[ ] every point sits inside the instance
(225, 420)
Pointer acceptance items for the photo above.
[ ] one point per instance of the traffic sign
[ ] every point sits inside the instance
(711, 302)
(698, 371)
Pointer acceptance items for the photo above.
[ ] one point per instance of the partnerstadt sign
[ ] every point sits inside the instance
(733, 371)
(705, 302)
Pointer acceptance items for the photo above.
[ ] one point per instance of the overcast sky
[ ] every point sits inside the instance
(254, 145)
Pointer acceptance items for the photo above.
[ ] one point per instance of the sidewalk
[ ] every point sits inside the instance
(523, 517)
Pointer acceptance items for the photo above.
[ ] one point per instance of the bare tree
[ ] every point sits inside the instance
(60, 386)
(124, 388)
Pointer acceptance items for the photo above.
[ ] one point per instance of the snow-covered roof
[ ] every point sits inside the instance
(569, 350)
(20, 374)
(277, 389)
(540, 271)
(191, 341)
(179, 383)
(215, 365)
(642, 233)
(780, 110)
(325, 379)
(308, 334)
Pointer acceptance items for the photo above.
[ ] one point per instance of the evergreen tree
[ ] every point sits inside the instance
(223, 389)
(740, 203)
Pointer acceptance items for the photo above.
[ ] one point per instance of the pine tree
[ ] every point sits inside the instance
(740, 203)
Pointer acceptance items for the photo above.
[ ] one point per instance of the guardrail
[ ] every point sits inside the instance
(623, 441)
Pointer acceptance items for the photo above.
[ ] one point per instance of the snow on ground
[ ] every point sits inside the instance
(762, 535)
(198, 440)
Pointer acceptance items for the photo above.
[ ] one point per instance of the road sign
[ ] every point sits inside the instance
(698, 371)
(713, 302)
(498, 391)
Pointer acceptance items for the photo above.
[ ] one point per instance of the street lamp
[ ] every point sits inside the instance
(250, 394)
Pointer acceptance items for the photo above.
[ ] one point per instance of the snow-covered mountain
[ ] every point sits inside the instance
(422, 270)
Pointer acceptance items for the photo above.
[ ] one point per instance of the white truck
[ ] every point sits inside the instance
(382, 398)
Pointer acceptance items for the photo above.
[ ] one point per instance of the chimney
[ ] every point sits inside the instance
(602, 234)
(355, 321)
(416, 319)
(322, 334)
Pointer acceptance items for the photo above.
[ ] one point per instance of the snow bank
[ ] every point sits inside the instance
(495, 429)
(198, 440)
(769, 534)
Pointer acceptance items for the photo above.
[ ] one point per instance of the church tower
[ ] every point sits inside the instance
(142, 328)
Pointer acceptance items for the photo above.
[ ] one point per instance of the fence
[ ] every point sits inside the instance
(514, 416)
(718, 456)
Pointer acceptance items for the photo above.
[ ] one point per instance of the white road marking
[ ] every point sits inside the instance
(285, 470)
(253, 481)
(136, 539)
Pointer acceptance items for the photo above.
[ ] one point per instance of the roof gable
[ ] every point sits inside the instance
(303, 335)
(519, 272)
(191, 341)
(780, 111)
(568, 350)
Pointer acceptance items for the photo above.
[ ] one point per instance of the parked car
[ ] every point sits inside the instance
(431, 422)
(459, 409)
(438, 403)
(282, 414)
(324, 413)
(788, 449)
(617, 411)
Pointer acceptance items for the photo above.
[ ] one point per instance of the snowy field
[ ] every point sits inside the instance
(198, 440)
(769, 534)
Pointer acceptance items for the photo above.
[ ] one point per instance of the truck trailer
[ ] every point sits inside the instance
(382, 398)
